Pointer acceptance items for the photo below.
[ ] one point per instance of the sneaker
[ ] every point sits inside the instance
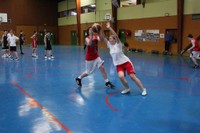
(52, 57)
(109, 84)
(144, 92)
(125, 91)
(196, 66)
(3, 56)
(45, 57)
(16, 59)
(78, 82)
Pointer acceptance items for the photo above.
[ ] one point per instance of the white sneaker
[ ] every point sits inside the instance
(52, 57)
(49, 58)
(144, 92)
(125, 91)
(3, 56)
(45, 57)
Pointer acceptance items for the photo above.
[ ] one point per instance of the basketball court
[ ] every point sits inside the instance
(38, 95)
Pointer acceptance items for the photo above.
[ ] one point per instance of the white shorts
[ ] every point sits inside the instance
(194, 54)
(92, 65)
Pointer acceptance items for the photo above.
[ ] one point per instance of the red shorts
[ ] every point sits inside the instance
(126, 67)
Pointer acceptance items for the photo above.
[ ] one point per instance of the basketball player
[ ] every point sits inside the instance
(194, 50)
(188, 46)
(5, 47)
(21, 41)
(34, 44)
(121, 61)
(48, 47)
(12, 40)
(93, 60)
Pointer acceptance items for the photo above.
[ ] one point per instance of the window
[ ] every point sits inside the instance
(88, 8)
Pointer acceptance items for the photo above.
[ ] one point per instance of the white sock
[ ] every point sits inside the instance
(106, 80)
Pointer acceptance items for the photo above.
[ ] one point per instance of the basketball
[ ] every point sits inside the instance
(96, 28)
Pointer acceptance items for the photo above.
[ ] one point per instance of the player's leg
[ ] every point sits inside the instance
(193, 56)
(89, 69)
(139, 84)
(100, 64)
(124, 82)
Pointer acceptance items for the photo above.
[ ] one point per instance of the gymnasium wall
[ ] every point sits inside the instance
(160, 23)
(65, 34)
(151, 10)
(30, 15)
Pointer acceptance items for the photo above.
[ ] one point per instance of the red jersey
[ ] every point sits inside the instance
(196, 47)
(92, 50)
(34, 41)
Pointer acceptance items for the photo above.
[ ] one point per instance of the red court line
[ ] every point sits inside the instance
(107, 101)
(42, 107)
(155, 87)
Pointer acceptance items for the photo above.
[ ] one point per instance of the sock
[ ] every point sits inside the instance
(106, 80)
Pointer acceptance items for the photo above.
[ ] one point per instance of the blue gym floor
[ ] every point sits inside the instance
(41, 96)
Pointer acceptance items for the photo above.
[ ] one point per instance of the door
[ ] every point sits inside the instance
(73, 38)
(122, 35)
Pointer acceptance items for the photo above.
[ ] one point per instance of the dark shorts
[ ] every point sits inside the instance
(48, 47)
(13, 48)
(5, 47)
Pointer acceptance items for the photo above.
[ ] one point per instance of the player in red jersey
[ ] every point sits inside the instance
(93, 60)
(34, 44)
(194, 50)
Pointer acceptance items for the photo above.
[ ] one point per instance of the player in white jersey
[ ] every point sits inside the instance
(121, 61)
(12, 40)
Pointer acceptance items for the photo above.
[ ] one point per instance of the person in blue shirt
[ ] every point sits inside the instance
(168, 41)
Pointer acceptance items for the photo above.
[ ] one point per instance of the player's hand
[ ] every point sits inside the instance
(108, 25)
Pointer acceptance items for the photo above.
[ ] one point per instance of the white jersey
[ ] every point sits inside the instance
(117, 54)
(12, 40)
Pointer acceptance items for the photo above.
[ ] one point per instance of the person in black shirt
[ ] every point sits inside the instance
(21, 41)
(48, 47)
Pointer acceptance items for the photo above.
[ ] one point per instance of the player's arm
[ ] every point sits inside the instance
(32, 36)
(45, 40)
(112, 31)
(17, 38)
(193, 45)
(103, 37)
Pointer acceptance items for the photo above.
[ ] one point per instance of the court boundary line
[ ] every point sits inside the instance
(42, 107)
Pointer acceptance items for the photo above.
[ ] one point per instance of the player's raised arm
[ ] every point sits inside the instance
(112, 31)
(103, 37)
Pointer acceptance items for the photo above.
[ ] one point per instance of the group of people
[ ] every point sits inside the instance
(9, 45)
(120, 60)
